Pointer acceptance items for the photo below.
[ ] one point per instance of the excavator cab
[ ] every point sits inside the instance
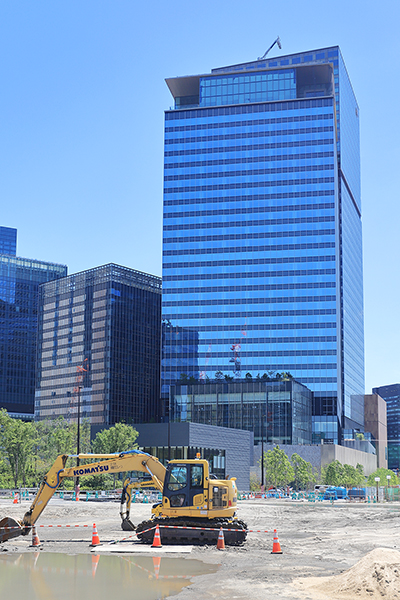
(184, 484)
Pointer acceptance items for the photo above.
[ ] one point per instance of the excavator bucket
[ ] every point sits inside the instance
(127, 525)
(10, 528)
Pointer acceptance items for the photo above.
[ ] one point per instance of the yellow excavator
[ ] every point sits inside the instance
(194, 505)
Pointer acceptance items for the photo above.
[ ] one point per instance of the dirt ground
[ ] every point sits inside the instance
(317, 540)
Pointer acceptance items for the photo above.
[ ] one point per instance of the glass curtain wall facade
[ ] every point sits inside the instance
(278, 411)
(8, 240)
(19, 300)
(99, 346)
(262, 249)
(391, 394)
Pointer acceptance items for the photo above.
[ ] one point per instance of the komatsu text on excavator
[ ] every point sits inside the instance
(194, 504)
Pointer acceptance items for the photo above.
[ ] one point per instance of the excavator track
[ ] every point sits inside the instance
(205, 531)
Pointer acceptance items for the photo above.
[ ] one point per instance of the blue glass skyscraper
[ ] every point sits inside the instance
(262, 246)
(8, 240)
(19, 294)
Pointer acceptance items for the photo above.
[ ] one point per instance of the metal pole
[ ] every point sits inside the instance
(169, 425)
(78, 440)
(262, 453)
(377, 480)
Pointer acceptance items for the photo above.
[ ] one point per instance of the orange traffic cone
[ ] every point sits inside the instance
(15, 501)
(95, 562)
(221, 540)
(276, 547)
(156, 564)
(35, 538)
(95, 537)
(157, 539)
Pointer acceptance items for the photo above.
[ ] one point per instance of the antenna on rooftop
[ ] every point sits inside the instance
(277, 41)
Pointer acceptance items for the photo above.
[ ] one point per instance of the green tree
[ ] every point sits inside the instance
(351, 477)
(383, 473)
(249, 376)
(332, 474)
(336, 474)
(5, 475)
(219, 375)
(57, 437)
(255, 483)
(228, 377)
(119, 438)
(18, 440)
(360, 470)
(278, 470)
(303, 472)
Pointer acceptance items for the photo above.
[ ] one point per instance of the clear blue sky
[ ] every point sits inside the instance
(82, 111)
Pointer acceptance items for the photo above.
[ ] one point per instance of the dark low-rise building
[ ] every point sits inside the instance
(228, 451)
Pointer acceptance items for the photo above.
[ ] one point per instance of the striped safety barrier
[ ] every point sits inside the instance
(29, 526)
(144, 531)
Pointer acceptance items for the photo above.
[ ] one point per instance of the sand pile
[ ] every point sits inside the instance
(374, 577)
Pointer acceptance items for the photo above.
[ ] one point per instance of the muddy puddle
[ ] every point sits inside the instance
(53, 576)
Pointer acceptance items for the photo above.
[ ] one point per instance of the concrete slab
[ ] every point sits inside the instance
(142, 549)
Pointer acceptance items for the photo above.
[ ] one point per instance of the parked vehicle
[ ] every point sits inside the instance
(335, 493)
(357, 494)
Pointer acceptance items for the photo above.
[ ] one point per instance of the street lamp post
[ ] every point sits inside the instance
(262, 454)
(169, 425)
(377, 480)
(388, 477)
(80, 370)
(78, 441)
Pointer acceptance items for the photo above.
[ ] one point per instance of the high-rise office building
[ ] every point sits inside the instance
(99, 347)
(391, 394)
(19, 291)
(8, 240)
(262, 248)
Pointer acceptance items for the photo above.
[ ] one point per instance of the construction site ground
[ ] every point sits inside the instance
(317, 540)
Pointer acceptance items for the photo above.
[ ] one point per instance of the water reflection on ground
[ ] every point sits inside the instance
(53, 576)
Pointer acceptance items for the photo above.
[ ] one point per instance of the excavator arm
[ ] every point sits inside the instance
(132, 460)
(127, 496)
